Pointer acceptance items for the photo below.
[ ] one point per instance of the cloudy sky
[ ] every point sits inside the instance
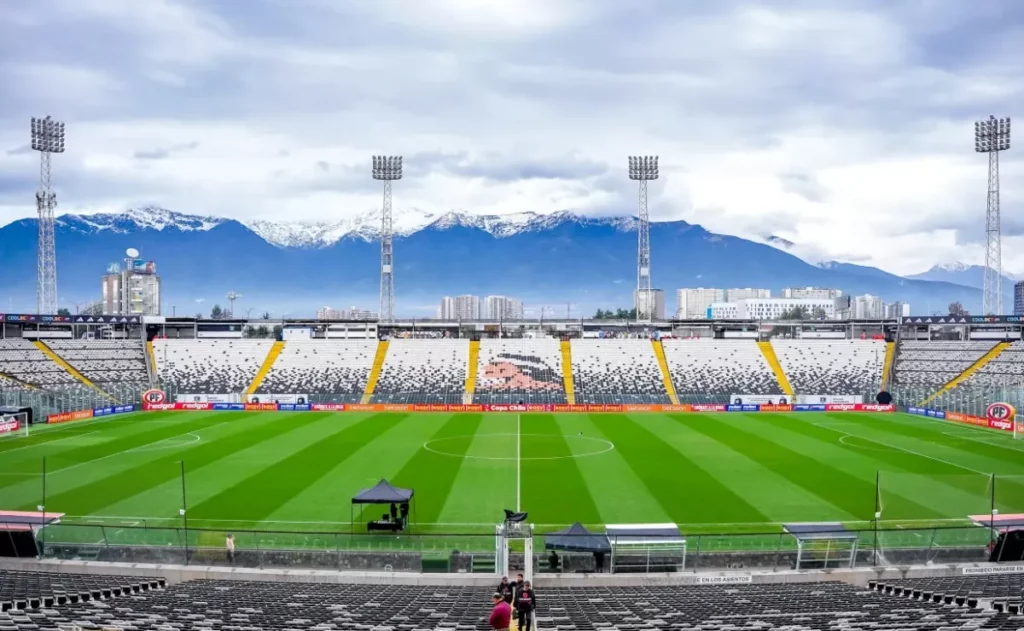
(844, 126)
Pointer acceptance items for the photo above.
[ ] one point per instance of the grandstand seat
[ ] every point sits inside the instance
(511, 370)
(709, 370)
(1003, 590)
(929, 365)
(105, 361)
(423, 371)
(21, 359)
(839, 367)
(328, 370)
(35, 590)
(1006, 369)
(616, 371)
(209, 366)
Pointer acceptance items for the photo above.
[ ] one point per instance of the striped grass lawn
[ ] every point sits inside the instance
(119, 478)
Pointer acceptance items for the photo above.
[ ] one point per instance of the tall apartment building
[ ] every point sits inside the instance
(693, 303)
(465, 307)
(811, 293)
(502, 308)
(867, 307)
(897, 310)
(657, 301)
(133, 290)
(1018, 298)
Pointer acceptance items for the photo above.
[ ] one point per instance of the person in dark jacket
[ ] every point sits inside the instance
(526, 603)
(501, 615)
(507, 590)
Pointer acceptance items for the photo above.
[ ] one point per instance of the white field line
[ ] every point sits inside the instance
(121, 453)
(47, 443)
(519, 465)
(909, 451)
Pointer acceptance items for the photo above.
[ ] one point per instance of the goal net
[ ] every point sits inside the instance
(13, 425)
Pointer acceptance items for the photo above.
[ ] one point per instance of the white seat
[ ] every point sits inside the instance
(617, 371)
(933, 364)
(709, 369)
(335, 369)
(105, 361)
(851, 367)
(209, 366)
(423, 371)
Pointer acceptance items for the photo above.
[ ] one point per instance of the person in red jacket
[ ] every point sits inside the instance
(501, 615)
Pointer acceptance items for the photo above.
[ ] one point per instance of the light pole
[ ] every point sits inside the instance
(643, 169)
(992, 136)
(232, 297)
(47, 138)
(387, 169)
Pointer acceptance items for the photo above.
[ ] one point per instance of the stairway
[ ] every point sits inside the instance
(890, 355)
(769, 354)
(666, 376)
(570, 393)
(268, 363)
(474, 357)
(378, 364)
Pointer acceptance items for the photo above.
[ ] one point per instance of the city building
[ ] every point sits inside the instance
(657, 301)
(897, 310)
(1018, 298)
(132, 290)
(502, 308)
(460, 308)
(735, 295)
(772, 308)
(815, 293)
(867, 307)
(352, 313)
(693, 303)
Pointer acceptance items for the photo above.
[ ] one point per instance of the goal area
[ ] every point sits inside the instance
(13, 425)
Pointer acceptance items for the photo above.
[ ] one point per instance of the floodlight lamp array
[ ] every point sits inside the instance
(47, 135)
(992, 135)
(643, 167)
(387, 167)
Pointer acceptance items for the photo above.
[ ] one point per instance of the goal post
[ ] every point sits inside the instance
(13, 425)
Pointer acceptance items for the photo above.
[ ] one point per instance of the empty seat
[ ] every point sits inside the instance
(511, 370)
(711, 370)
(335, 370)
(209, 366)
(617, 371)
(423, 371)
(840, 367)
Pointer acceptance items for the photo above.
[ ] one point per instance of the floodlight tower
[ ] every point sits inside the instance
(232, 297)
(387, 169)
(47, 138)
(992, 136)
(643, 169)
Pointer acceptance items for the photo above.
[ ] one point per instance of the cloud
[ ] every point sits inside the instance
(17, 151)
(842, 127)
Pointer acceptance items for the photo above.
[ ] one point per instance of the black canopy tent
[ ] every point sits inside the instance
(381, 493)
(576, 538)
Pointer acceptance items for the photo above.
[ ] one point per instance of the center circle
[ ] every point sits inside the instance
(498, 446)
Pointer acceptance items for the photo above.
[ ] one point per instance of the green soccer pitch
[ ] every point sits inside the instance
(709, 473)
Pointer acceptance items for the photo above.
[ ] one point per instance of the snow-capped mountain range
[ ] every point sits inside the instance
(544, 259)
(367, 226)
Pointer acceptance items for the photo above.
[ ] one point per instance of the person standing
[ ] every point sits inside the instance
(229, 545)
(526, 602)
(501, 615)
(507, 590)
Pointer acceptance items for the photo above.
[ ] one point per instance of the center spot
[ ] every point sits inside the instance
(531, 446)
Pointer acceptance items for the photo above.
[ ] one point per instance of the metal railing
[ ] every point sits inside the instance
(771, 548)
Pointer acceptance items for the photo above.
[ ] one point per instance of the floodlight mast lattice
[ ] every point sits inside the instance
(47, 138)
(387, 169)
(643, 169)
(992, 136)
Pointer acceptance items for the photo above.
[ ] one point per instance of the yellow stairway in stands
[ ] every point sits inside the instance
(268, 363)
(151, 360)
(71, 370)
(666, 376)
(570, 392)
(769, 354)
(994, 352)
(378, 364)
(474, 357)
(890, 354)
